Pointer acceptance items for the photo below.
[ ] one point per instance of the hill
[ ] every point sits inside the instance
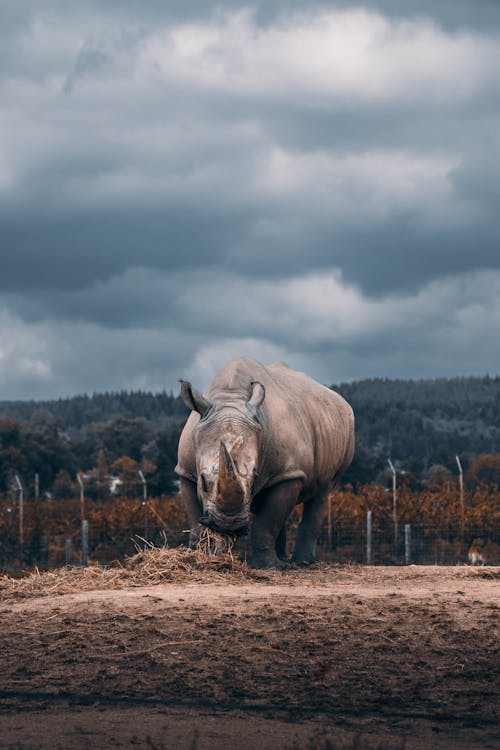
(420, 423)
(79, 411)
(417, 423)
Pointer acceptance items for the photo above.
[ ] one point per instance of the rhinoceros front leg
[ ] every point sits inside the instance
(268, 522)
(309, 529)
(281, 544)
(193, 508)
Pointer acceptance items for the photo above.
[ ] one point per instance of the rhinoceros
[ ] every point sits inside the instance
(259, 441)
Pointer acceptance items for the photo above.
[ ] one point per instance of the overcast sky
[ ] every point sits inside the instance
(184, 182)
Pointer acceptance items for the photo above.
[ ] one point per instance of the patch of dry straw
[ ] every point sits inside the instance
(147, 567)
(212, 543)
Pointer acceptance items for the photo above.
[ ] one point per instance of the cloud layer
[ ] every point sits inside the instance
(181, 185)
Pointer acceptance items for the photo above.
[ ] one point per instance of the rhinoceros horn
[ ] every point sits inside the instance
(230, 493)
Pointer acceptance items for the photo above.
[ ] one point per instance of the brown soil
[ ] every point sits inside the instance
(325, 658)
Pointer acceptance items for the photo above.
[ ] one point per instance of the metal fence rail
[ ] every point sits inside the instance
(418, 545)
(56, 535)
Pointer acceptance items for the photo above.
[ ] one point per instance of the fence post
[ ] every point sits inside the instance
(394, 504)
(369, 537)
(85, 543)
(407, 543)
(68, 551)
(21, 510)
(46, 548)
(462, 504)
(145, 506)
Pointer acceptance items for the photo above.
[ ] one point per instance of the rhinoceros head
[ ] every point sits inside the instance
(227, 441)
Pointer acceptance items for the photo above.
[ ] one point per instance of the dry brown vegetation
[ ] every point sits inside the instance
(145, 568)
(116, 521)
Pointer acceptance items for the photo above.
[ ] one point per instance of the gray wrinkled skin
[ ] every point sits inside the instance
(259, 441)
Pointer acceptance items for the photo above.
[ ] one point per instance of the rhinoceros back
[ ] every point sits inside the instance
(307, 429)
(312, 426)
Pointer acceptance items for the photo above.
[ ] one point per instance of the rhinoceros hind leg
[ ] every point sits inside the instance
(193, 508)
(308, 532)
(268, 522)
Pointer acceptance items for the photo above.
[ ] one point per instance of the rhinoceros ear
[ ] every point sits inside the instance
(193, 399)
(258, 394)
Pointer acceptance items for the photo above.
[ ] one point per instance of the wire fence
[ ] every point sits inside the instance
(418, 544)
(59, 532)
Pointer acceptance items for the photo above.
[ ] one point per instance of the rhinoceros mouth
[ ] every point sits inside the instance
(239, 527)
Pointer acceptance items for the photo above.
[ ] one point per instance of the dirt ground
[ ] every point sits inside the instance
(332, 657)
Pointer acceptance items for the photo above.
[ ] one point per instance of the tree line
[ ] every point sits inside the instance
(420, 424)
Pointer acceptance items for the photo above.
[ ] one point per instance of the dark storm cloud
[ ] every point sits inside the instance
(71, 251)
(88, 61)
(450, 13)
(185, 181)
(75, 251)
(172, 222)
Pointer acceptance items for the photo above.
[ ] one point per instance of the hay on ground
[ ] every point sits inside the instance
(147, 567)
(212, 543)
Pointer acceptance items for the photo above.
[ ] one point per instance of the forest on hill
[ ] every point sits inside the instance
(421, 425)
